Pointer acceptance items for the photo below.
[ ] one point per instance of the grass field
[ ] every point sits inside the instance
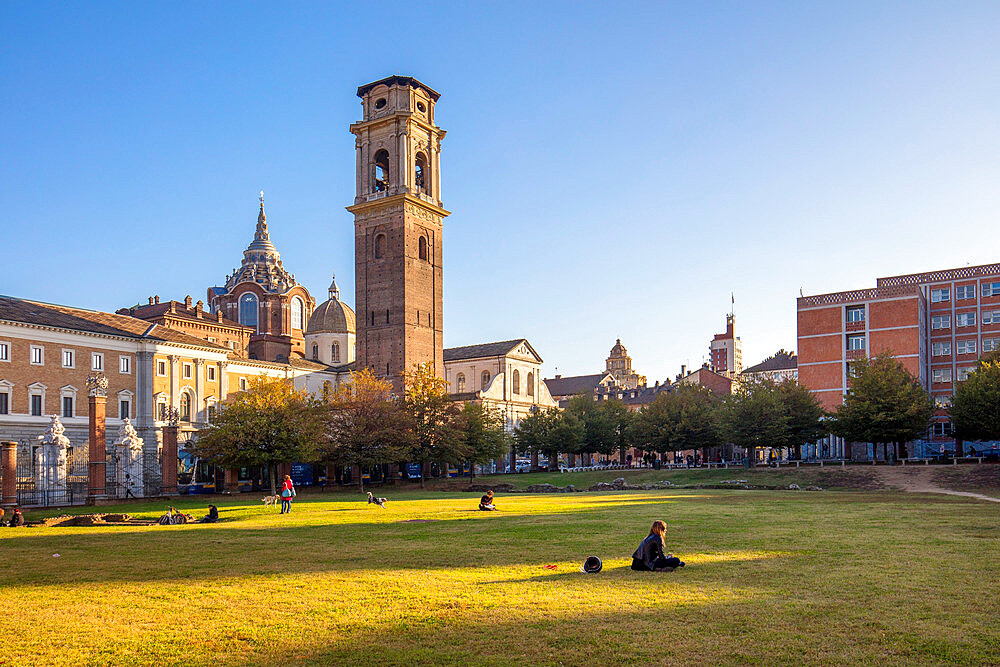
(771, 577)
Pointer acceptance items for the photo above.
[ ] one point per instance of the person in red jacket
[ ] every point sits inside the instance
(287, 493)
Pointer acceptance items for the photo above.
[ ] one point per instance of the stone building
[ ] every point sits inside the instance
(619, 364)
(330, 334)
(398, 223)
(262, 295)
(505, 376)
(780, 366)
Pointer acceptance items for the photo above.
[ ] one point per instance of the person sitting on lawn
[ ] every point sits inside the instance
(649, 556)
(486, 503)
(17, 519)
(212, 516)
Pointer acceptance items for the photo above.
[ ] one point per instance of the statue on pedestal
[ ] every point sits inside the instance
(50, 461)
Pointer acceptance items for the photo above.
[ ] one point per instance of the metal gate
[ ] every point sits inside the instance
(132, 479)
(41, 483)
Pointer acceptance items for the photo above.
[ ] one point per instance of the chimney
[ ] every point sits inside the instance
(218, 316)
(187, 301)
(173, 306)
(198, 308)
(558, 376)
(151, 301)
(156, 299)
(683, 368)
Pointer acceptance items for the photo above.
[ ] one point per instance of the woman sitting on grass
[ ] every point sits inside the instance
(486, 503)
(649, 556)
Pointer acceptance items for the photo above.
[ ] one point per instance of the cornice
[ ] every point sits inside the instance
(395, 200)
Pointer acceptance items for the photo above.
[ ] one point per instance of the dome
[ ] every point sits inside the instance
(618, 350)
(332, 316)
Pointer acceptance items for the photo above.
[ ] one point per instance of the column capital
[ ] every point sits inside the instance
(199, 363)
(173, 358)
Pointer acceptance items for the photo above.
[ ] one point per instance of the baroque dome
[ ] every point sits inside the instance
(618, 350)
(332, 316)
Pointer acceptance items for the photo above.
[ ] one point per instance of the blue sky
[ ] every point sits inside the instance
(612, 170)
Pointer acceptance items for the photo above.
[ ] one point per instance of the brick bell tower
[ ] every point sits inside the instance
(397, 229)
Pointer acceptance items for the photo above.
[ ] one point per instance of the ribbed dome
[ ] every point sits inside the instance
(618, 350)
(332, 316)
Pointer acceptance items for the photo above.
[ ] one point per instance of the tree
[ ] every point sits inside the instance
(434, 418)
(485, 436)
(804, 411)
(600, 427)
(686, 418)
(269, 423)
(363, 425)
(884, 404)
(532, 432)
(975, 411)
(754, 416)
(565, 434)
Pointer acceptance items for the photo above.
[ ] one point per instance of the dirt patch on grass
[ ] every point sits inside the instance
(984, 478)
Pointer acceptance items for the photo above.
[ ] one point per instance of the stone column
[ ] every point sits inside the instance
(175, 382)
(169, 463)
(97, 484)
(8, 472)
(223, 380)
(199, 391)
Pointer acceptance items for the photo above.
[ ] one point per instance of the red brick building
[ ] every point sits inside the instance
(937, 324)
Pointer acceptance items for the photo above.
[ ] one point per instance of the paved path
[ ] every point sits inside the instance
(915, 479)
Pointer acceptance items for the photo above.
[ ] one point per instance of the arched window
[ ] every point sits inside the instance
(381, 183)
(315, 351)
(379, 246)
(298, 314)
(531, 384)
(248, 310)
(422, 247)
(516, 383)
(335, 351)
(460, 382)
(185, 409)
(486, 379)
(420, 173)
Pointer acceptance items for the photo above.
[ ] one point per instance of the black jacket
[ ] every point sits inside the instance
(648, 552)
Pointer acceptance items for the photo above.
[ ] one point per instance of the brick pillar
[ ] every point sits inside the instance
(232, 480)
(169, 462)
(97, 482)
(8, 463)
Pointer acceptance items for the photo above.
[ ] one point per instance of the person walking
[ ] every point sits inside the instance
(287, 493)
(649, 557)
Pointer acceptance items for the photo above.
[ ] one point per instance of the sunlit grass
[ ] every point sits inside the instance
(770, 577)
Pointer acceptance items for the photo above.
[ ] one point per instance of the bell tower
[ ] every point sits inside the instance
(397, 229)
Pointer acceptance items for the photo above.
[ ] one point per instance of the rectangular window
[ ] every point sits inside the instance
(161, 368)
(36, 405)
(852, 370)
(163, 412)
(965, 292)
(965, 320)
(939, 295)
(965, 347)
(991, 344)
(991, 289)
(855, 342)
(941, 375)
(211, 412)
(4, 351)
(243, 384)
(942, 429)
(232, 345)
(96, 361)
(37, 355)
(187, 371)
(941, 322)
(67, 406)
(211, 373)
(124, 364)
(68, 358)
(991, 317)
(856, 314)
(124, 409)
(211, 339)
(963, 373)
(4, 403)
(940, 349)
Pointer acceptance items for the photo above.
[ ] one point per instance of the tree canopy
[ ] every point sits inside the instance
(976, 407)
(434, 418)
(269, 423)
(884, 404)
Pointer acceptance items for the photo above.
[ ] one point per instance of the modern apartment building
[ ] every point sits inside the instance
(936, 323)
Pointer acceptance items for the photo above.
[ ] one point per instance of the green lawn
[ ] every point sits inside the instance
(772, 577)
